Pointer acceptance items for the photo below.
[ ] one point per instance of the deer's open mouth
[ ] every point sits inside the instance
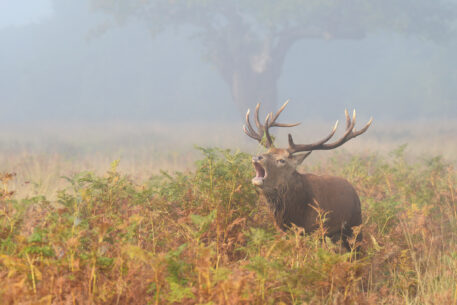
(260, 174)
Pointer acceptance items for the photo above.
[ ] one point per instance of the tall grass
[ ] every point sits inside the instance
(201, 237)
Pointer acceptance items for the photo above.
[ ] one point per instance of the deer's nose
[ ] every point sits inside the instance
(257, 158)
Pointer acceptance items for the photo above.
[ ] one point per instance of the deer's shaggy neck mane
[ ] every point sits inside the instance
(284, 200)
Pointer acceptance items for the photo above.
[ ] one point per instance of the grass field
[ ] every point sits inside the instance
(78, 227)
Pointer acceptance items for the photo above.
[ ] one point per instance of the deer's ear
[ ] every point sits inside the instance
(298, 159)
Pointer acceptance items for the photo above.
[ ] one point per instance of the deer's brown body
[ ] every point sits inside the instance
(292, 196)
(295, 202)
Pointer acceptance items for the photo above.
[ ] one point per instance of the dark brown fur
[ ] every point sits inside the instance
(291, 196)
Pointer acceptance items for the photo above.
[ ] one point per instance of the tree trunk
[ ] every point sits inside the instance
(249, 87)
(249, 64)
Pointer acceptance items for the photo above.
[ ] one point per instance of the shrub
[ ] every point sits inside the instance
(201, 237)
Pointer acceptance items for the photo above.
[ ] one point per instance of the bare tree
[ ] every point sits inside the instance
(248, 40)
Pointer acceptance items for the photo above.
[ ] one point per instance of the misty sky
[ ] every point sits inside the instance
(23, 12)
(56, 66)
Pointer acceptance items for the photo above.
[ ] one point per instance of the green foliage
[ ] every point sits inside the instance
(178, 293)
(176, 267)
(201, 238)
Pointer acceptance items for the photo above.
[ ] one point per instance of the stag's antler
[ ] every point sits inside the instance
(270, 121)
(321, 145)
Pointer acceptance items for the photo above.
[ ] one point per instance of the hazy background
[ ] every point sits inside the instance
(64, 61)
(86, 82)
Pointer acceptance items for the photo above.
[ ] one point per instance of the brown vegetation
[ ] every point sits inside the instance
(201, 238)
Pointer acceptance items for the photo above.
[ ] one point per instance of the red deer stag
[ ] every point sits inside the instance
(292, 195)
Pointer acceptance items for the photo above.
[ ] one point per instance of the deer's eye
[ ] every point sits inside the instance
(282, 161)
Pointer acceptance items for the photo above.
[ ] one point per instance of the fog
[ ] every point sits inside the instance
(96, 61)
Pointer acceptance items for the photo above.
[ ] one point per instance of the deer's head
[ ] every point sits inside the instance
(277, 165)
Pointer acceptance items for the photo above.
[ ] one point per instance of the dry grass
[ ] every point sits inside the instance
(118, 236)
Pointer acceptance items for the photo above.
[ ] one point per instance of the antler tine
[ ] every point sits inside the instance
(359, 132)
(321, 145)
(249, 124)
(348, 118)
(263, 130)
(273, 120)
(249, 130)
(349, 128)
(301, 147)
(269, 142)
(285, 125)
(246, 131)
(257, 120)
